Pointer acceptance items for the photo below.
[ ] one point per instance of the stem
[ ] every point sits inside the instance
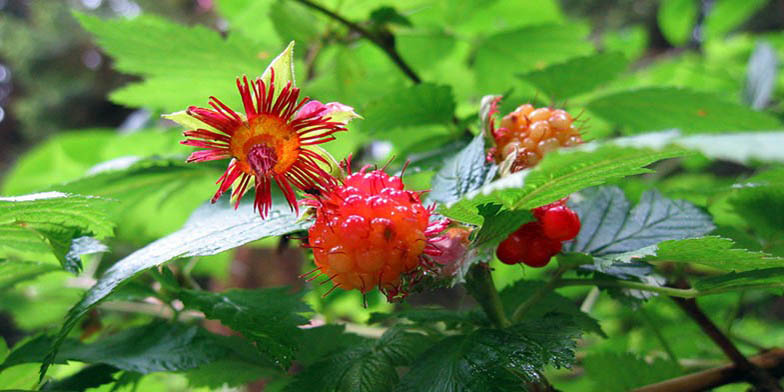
(625, 284)
(669, 291)
(772, 361)
(756, 375)
(479, 283)
(537, 296)
(387, 45)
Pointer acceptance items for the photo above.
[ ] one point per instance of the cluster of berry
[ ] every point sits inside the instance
(524, 137)
(534, 243)
(530, 133)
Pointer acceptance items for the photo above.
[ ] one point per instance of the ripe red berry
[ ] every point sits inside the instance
(370, 232)
(528, 245)
(511, 250)
(560, 223)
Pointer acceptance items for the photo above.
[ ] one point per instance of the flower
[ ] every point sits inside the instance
(371, 232)
(268, 142)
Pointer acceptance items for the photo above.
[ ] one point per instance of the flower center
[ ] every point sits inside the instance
(262, 158)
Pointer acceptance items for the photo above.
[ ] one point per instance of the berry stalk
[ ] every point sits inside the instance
(479, 283)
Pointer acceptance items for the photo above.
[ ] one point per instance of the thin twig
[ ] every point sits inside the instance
(387, 45)
(756, 375)
(771, 361)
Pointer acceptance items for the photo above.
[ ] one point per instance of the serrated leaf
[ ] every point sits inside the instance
(268, 316)
(501, 56)
(364, 367)
(552, 303)
(151, 348)
(657, 108)
(761, 73)
(210, 230)
(611, 226)
(182, 65)
(421, 104)
(676, 19)
(636, 371)
(493, 359)
(715, 252)
(164, 186)
(462, 173)
(33, 226)
(88, 377)
(578, 75)
(558, 175)
(757, 278)
(498, 223)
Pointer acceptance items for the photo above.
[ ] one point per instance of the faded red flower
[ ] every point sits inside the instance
(268, 142)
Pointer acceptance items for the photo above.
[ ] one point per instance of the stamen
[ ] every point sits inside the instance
(262, 158)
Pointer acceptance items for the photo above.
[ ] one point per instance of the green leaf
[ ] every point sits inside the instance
(295, 22)
(36, 225)
(761, 74)
(421, 104)
(243, 17)
(578, 75)
(13, 271)
(760, 202)
(761, 278)
(714, 252)
(558, 175)
(462, 173)
(181, 65)
(268, 316)
(225, 373)
(317, 343)
(501, 56)
(552, 303)
(657, 108)
(423, 50)
(155, 347)
(88, 377)
(493, 359)
(676, 19)
(210, 230)
(166, 188)
(498, 223)
(429, 315)
(385, 14)
(636, 371)
(363, 367)
(726, 15)
(611, 226)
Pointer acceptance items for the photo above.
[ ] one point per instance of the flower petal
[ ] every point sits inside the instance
(337, 111)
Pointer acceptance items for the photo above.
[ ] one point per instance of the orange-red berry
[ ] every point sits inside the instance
(371, 232)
